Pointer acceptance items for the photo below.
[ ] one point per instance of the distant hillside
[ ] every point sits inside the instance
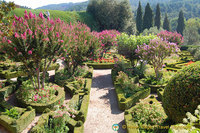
(191, 8)
(66, 16)
(66, 6)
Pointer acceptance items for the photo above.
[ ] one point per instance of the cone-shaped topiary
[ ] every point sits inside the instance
(182, 94)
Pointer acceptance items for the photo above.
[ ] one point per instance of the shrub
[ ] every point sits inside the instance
(128, 84)
(181, 94)
(81, 44)
(156, 52)
(128, 44)
(34, 39)
(145, 113)
(108, 39)
(172, 37)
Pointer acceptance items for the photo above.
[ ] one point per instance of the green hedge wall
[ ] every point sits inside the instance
(17, 126)
(6, 91)
(130, 125)
(101, 65)
(126, 103)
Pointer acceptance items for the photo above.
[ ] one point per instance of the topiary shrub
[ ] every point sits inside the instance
(181, 95)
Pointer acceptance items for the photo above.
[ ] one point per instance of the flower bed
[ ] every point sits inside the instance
(146, 116)
(36, 101)
(16, 123)
(126, 100)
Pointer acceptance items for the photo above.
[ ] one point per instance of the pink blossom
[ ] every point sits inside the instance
(57, 34)
(41, 15)
(30, 14)
(29, 52)
(30, 32)
(9, 41)
(16, 35)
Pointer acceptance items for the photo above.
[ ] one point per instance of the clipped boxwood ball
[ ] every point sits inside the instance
(182, 93)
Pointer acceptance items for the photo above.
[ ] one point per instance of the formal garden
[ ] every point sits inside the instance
(155, 77)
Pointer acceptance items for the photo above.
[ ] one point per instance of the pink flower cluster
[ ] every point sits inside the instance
(172, 37)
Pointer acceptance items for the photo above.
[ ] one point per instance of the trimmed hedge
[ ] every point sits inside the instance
(160, 92)
(101, 65)
(130, 125)
(181, 94)
(17, 126)
(6, 91)
(74, 126)
(154, 88)
(7, 74)
(126, 103)
(40, 107)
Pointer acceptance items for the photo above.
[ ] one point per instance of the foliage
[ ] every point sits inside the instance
(148, 17)
(13, 113)
(172, 37)
(57, 124)
(128, 44)
(181, 94)
(166, 23)
(81, 44)
(35, 39)
(181, 24)
(139, 19)
(5, 18)
(192, 32)
(153, 81)
(148, 114)
(2, 85)
(158, 17)
(195, 52)
(112, 14)
(128, 84)
(156, 52)
(62, 76)
(29, 94)
(152, 31)
(193, 120)
(108, 39)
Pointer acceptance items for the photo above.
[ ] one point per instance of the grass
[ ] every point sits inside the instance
(66, 16)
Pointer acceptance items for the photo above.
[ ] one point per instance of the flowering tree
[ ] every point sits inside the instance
(81, 44)
(156, 52)
(34, 39)
(172, 37)
(108, 39)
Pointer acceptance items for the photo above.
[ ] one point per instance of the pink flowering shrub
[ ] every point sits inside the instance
(172, 37)
(81, 45)
(108, 39)
(156, 52)
(34, 39)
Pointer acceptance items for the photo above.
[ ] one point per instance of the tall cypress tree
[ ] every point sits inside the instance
(158, 17)
(148, 17)
(139, 20)
(166, 24)
(181, 24)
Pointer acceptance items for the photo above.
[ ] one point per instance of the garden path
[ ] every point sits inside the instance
(103, 109)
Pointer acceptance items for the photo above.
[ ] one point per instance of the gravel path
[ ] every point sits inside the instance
(103, 109)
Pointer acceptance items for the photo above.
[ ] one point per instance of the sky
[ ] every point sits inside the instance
(38, 3)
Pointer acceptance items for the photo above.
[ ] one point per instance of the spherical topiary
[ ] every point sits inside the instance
(182, 94)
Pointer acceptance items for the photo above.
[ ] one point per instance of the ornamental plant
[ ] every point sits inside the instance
(108, 39)
(172, 37)
(34, 39)
(154, 53)
(128, 44)
(81, 45)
